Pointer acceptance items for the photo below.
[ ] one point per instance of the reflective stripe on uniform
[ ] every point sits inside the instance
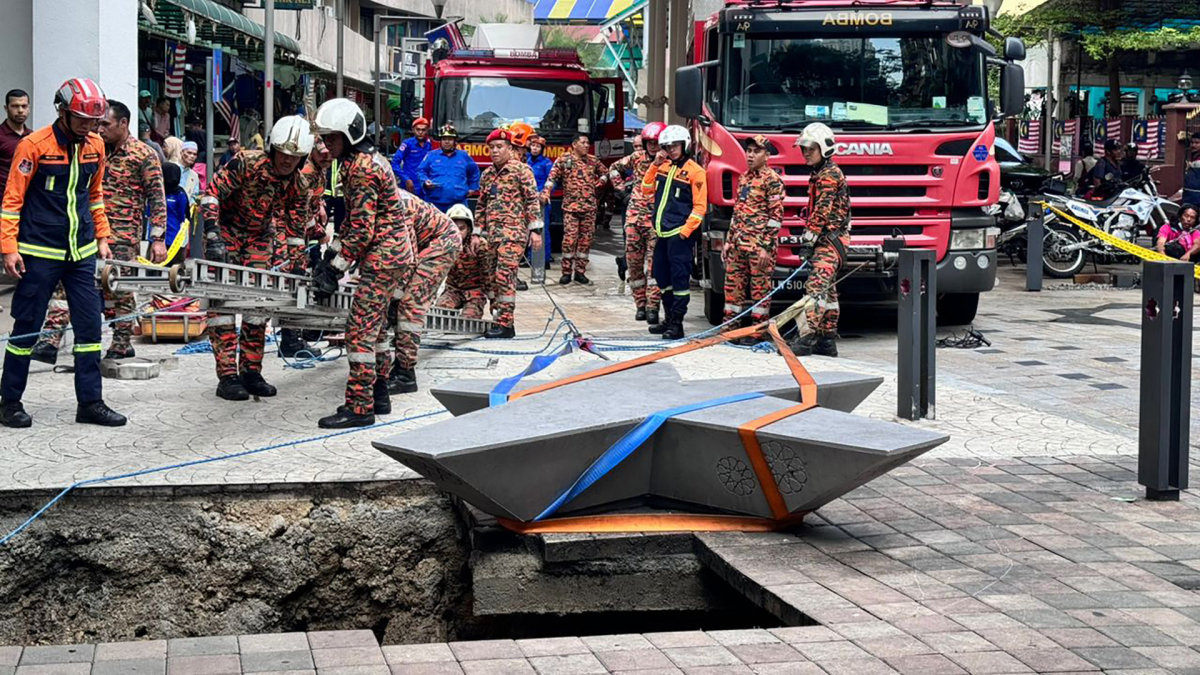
(662, 205)
(208, 199)
(761, 310)
(72, 206)
(733, 308)
(506, 298)
(59, 304)
(218, 321)
(41, 251)
(10, 215)
(18, 351)
(679, 294)
(361, 357)
(95, 206)
(87, 249)
(294, 241)
(568, 256)
(86, 347)
(637, 284)
(382, 347)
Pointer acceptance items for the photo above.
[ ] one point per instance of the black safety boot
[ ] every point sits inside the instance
(44, 352)
(12, 414)
(674, 330)
(521, 285)
(652, 316)
(500, 332)
(581, 278)
(114, 353)
(564, 280)
(814, 344)
(344, 419)
(401, 380)
(292, 345)
(231, 388)
(97, 412)
(383, 402)
(640, 316)
(255, 384)
(659, 328)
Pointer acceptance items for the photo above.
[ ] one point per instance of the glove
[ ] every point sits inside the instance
(215, 251)
(325, 281)
(808, 243)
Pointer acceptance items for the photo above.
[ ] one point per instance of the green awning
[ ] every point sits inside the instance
(216, 24)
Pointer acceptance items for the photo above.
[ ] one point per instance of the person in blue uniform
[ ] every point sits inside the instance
(541, 165)
(409, 155)
(448, 175)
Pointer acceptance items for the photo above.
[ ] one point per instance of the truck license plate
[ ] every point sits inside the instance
(792, 285)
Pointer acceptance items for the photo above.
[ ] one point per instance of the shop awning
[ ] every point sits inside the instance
(216, 25)
(584, 11)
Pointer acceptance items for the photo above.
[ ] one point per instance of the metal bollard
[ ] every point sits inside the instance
(1035, 233)
(916, 334)
(1163, 418)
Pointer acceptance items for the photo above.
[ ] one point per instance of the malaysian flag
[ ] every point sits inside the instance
(1105, 129)
(1030, 137)
(175, 66)
(226, 112)
(1147, 133)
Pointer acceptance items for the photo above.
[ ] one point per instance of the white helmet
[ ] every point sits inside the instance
(461, 212)
(674, 134)
(817, 135)
(341, 115)
(291, 136)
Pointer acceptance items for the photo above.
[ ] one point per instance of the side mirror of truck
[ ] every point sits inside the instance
(1014, 49)
(1012, 89)
(689, 92)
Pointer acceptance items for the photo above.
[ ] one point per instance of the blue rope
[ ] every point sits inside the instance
(245, 453)
(660, 344)
(630, 442)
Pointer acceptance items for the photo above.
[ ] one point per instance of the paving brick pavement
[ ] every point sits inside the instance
(992, 406)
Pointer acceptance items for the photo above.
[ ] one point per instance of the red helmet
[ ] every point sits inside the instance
(651, 131)
(420, 121)
(501, 134)
(82, 97)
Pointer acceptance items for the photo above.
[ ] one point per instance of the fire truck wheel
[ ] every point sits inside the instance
(957, 309)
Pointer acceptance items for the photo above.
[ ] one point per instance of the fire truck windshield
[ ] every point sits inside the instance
(860, 83)
(477, 105)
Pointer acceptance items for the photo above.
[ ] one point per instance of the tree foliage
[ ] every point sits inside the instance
(1102, 45)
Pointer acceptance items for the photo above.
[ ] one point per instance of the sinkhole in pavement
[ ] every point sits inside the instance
(397, 557)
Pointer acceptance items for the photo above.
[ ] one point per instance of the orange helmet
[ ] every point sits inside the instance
(82, 97)
(520, 133)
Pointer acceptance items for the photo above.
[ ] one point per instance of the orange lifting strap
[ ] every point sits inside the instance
(683, 522)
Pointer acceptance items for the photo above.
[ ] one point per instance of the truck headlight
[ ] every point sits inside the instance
(971, 239)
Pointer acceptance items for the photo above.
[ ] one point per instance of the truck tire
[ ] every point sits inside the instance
(957, 309)
(714, 306)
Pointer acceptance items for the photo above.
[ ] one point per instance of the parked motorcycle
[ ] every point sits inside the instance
(1133, 215)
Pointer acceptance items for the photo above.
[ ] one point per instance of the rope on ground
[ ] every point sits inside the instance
(127, 317)
(196, 462)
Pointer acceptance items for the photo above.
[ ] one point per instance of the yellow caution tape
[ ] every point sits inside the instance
(180, 240)
(1116, 242)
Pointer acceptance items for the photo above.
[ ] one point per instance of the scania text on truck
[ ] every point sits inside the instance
(903, 84)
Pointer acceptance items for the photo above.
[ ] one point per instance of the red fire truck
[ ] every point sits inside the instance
(904, 85)
(478, 90)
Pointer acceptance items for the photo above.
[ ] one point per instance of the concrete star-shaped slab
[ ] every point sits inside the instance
(513, 460)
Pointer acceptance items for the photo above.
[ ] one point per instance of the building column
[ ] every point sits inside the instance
(81, 38)
(679, 26)
(655, 57)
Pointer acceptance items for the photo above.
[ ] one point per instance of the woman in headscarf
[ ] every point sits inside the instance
(193, 179)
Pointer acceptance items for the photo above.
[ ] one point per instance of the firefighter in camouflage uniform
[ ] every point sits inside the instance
(826, 236)
(466, 285)
(245, 202)
(437, 244)
(749, 251)
(580, 175)
(133, 190)
(639, 226)
(377, 236)
(509, 215)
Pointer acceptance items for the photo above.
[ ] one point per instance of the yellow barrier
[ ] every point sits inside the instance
(1116, 242)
